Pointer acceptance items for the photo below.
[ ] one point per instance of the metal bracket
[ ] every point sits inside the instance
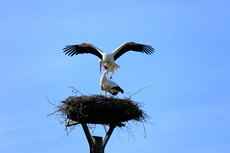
(88, 136)
(108, 134)
(92, 140)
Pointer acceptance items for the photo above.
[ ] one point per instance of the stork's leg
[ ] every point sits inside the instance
(105, 93)
(112, 73)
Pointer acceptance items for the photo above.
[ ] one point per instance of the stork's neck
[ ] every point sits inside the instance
(103, 77)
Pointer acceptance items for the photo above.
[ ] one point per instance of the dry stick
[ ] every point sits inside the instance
(139, 91)
(76, 90)
(50, 102)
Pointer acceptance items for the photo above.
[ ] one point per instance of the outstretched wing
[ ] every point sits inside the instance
(131, 46)
(83, 48)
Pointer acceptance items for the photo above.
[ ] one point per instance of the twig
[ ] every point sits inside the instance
(76, 90)
(50, 101)
(139, 91)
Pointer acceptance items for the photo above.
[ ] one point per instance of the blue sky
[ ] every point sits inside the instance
(189, 73)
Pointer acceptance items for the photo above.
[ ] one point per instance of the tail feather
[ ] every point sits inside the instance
(118, 88)
(116, 66)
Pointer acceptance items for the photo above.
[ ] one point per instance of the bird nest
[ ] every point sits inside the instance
(98, 109)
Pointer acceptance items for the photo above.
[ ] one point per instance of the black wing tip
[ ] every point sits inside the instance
(69, 46)
(118, 88)
(69, 50)
(143, 48)
(148, 49)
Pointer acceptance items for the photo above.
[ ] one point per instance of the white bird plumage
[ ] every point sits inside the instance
(108, 58)
(109, 86)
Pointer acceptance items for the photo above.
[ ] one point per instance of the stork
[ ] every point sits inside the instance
(109, 86)
(107, 58)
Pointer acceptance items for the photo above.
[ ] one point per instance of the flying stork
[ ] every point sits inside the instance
(109, 86)
(108, 58)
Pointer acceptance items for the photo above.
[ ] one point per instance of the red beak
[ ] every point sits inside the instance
(100, 68)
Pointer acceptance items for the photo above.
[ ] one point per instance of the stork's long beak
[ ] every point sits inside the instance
(100, 68)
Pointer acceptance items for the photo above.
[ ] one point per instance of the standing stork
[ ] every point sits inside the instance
(109, 86)
(108, 58)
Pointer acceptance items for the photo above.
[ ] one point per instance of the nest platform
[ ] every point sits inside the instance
(98, 109)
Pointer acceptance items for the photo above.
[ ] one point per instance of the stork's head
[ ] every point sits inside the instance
(100, 62)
